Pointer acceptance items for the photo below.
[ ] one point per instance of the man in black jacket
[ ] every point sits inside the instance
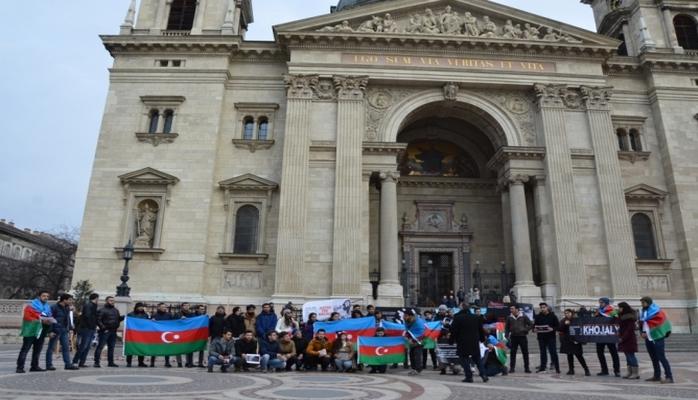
(467, 333)
(60, 332)
(185, 312)
(516, 329)
(236, 322)
(246, 345)
(162, 314)
(545, 325)
(108, 321)
(87, 326)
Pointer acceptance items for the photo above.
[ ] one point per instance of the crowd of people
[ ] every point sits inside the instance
(245, 340)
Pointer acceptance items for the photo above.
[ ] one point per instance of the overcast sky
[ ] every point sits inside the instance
(53, 85)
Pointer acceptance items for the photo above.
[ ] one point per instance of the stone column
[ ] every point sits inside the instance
(521, 238)
(198, 25)
(563, 211)
(366, 287)
(619, 237)
(672, 40)
(346, 254)
(389, 290)
(290, 254)
(545, 240)
(506, 229)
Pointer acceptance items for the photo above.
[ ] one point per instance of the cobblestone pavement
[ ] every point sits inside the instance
(178, 383)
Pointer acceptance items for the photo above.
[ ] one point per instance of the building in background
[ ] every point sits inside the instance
(423, 145)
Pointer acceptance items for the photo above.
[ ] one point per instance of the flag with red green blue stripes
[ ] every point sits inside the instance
(381, 350)
(144, 337)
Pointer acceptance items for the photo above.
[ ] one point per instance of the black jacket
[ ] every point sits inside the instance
(88, 318)
(550, 320)
(236, 323)
(243, 347)
(62, 316)
(467, 333)
(216, 326)
(134, 314)
(162, 316)
(108, 318)
(518, 326)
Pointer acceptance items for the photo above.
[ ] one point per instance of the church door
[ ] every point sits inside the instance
(435, 277)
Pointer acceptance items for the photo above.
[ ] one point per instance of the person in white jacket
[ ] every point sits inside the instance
(286, 323)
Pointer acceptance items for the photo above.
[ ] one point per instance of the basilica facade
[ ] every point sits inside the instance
(400, 149)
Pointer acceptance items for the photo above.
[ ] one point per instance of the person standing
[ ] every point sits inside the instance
(516, 330)
(460, 295)
(217, 324)
(607, 310)
(162, 314)
(266, 321)
(429, 317)
(467, 332)
(185, 312)
(87, 327)
(569, 346)
(236, 322)
(60, 332)
(250, 318)
(308, 328)
(201, 311)
(655, 329)
(108, 321)
(627, 341)
(414, 332)
(36, 323)
(545, 325)
(139, 313)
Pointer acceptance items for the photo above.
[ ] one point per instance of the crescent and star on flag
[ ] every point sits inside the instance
(381, 351)
(164, 338)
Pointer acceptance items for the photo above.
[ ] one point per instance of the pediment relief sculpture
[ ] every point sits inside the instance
(451, 22)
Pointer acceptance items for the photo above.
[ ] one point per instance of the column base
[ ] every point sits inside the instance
(367, 292)
(390, 295)
(527, 293)
(550, 293)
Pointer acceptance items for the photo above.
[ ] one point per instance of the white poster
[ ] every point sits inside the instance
(325, 308)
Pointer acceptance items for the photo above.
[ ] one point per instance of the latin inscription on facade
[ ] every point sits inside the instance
(465, 63)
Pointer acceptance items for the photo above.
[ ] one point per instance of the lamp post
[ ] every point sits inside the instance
(374, 277)
(123, 290)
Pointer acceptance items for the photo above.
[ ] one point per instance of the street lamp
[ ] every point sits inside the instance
(374, 277)
(123, 290)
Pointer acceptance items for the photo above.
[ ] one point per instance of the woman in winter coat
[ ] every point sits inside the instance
(569, 346)
(627, 341)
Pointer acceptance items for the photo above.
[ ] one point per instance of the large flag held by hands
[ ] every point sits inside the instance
(499, 343)
(381, 350)
(432, 332)
(393, 328)
(353, 327)
(144, 337)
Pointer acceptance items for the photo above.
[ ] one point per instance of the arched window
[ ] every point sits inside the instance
(7, 250)
(181, 15)
(622, 139)
(26, 254)
(248, 128)
(686, 32)
(154, 120)
(17, 253)
(623, 48)
(169, 119)
(643, 235)
(246, 228)
(634, 137)
(263, 129)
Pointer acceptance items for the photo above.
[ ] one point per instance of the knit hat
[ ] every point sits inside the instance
(605, 300)
(139, 304)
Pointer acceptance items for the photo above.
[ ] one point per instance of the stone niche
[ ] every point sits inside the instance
(246, 281)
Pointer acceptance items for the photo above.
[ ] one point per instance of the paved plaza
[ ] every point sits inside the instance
(177, 383)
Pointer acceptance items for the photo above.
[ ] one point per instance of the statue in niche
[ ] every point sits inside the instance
(429, 22)
(470, 23)
(146, 218)
(489, 28)
(463, 222)
(415, 24)
(450, 22)
(389, 24)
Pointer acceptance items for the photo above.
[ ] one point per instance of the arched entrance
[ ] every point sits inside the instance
(451, 218)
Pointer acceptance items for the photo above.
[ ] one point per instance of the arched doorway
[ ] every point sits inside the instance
(451, 213)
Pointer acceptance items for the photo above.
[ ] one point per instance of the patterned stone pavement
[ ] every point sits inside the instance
(176, 383)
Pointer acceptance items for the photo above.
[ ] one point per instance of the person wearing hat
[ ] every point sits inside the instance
(378, 369)
(441, 313)
(607, 310)
(138, 312)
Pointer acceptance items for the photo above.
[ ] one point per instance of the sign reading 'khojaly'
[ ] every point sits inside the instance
(466, 63)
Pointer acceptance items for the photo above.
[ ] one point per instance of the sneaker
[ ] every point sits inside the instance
(96, 365)
(142, 365)
(20, 370)
(485, 379)
(528, 371)
(587, 372)
(570, 372)
(72, 368)
(82, 366)
(210, 368)
(539, 370)
(36, 369)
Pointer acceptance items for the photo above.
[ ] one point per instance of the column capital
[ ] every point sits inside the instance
(301, 87)
(517, 179)
(539, 180)
(389, 176)
(350, 87)
(596, 98)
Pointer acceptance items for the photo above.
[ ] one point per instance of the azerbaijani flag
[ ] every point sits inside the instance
(143, 337)
(500, 343)
(31, 321)
(353, 327)
(655, 323)
(609, 311)
(381, 350)
(432, 332)
(393, 328)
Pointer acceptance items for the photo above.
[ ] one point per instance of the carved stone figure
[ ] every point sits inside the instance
(489, 28)
(415, 24)
(451, 91)
(375, 24)
(146, 217)
(450, 22)
(429, 22)
(531, 32)
(509, 31)
(551, 35)
(343, 27)
(470, 23)
(389, 24)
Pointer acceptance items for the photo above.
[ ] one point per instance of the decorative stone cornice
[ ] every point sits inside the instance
(156, 138)
(645, 192)
(557, 96)
(506, 154)
(350, 87)
(384, 148)
(301, 87)
(148, 176)
(253, 145)
(248, 182)
(209, 44)
(449, 183)
(634, 156)
(596, 98)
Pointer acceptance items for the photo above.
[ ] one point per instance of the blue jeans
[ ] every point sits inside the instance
(108, 338)
(343, 365)
(269, 363)
(631, 359)
(548, 345)
(65, 348)
(657, 355)
(84, 341)
(217, 361)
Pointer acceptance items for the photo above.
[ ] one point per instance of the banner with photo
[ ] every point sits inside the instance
(325, 308)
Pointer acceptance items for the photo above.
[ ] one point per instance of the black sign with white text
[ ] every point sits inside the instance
(594, 330)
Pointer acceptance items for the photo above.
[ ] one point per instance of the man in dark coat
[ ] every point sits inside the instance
(545, 325)
(162, 314)
(108, 321)
(236, 322)
(185, 312)
(87, 326)
(140, 313)
(467, 333)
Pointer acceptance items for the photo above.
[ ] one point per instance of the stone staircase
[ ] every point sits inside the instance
(682, 343)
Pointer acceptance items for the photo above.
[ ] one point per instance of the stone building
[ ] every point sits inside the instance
(425, 145)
